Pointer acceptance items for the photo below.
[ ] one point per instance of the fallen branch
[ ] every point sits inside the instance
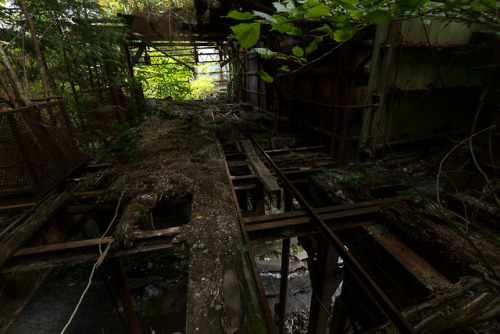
(133, 212)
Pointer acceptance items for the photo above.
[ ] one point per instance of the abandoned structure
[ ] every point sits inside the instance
(357, 193)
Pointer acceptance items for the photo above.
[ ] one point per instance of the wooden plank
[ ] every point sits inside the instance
(80, 251)
(263, 173)
(416, 265)
(22, 234)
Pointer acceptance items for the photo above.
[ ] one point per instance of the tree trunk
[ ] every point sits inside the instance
(36, 43)
(11, 74)
(6, 88)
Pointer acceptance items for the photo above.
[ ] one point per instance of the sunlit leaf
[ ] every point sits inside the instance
(355, 14)
(285, 68)
(298, 51)
(309, 3)
(281, 8)
(478, 6)
(247, 33)
(282, 27)
(378, 16)
(347, 4)
(264, 16)
(242, 16)
(295, 32)
(344, 33)
(318, 11)
(265, 53)
(409, 5)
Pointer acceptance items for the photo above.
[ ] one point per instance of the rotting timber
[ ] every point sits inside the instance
(182, 161)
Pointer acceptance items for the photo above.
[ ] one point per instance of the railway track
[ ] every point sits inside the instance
(308, 220)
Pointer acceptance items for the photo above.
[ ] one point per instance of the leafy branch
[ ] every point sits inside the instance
(339, 20)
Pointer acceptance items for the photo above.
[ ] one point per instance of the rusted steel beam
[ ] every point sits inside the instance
(256, 276)
(298, 223)
(330, 212)
(286, 150)
(125, 296)
(362, 276)
(291, 174)
(303, 226)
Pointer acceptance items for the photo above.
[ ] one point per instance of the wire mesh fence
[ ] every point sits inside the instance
(38, 149)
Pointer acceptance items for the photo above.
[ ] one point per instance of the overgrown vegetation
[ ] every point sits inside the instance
(318, 21)
(164, 78)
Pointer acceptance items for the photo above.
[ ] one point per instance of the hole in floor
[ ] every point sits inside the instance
(157, 281)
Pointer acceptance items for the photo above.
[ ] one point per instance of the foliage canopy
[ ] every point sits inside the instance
(339, 20)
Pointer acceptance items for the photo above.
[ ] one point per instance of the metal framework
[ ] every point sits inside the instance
(307, 221)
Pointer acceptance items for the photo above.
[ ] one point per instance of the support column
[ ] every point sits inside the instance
(339, 318)
(258, 201)
(285, 256)
(128, 302)
(325, 279)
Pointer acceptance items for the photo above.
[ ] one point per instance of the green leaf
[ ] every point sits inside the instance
(264, 16)
(282, 27)
(285, 68)
(337, 18)
(218, 307)
(344, 33)
(309, 3)
(298, 51)
(265, 53)
(347, 4)
(297, 13)
(325, 29)
(378, 16)
(281, 8)
(247, 33)
(410, 5)
(295, 32)
(242, 16)
(478, 6)
(451, 5)
(313, 46)
(265, 76)
(355, 14)
(318, 11)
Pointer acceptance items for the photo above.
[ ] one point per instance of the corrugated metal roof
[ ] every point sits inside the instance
(440, 32)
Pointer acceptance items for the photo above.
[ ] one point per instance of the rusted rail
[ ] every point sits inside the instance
(262, 295)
